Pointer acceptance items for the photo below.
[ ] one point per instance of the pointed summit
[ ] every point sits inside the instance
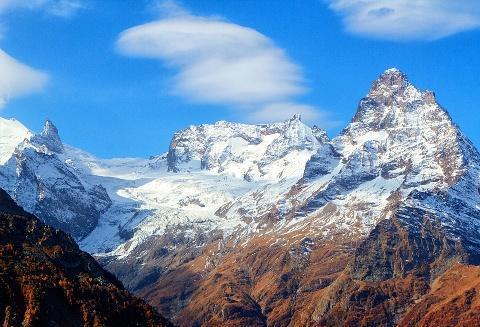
(49, 129)
(393, 73)
(394, 103)
(392, 82)
(49, 137)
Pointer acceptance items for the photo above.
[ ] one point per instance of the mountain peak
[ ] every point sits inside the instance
(394, 104)
(392, 70)
(391, 83)
(49, 129)
(49, 137)
(297, 117)
(393, 73)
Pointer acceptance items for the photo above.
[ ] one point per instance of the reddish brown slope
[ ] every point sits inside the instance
(454, 300)
(391, 278)
(45, 280)
(257, 285)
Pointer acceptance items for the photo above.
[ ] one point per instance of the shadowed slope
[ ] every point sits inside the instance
(45, 280)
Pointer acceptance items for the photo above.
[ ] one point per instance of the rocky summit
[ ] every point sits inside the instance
(277, 224)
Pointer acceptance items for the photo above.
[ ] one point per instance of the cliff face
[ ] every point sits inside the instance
(45, 280)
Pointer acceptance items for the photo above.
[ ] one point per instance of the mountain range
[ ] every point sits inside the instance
(277, 224)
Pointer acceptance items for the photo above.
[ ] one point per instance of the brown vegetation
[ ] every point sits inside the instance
(45, 280)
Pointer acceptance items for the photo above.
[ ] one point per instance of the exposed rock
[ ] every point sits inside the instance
(38, 177)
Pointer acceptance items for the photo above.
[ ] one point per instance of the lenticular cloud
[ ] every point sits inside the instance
(219, 62)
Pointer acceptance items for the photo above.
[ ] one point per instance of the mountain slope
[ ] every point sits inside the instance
(45, 280)
(392, 202)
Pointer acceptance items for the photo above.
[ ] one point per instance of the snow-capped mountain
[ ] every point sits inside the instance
(206, 167)
(38, 175)
(267, 217)
(400, 142)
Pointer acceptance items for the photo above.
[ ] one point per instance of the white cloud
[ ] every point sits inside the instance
(218, 62)
(407, 19)
(18, 79)
(61, 8)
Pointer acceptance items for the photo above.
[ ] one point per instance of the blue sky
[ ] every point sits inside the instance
(118, 78)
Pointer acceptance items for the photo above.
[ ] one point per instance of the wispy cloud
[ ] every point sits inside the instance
(18, 79)
(65, 8)
(60, 8)
(407, 19)
(220, 62)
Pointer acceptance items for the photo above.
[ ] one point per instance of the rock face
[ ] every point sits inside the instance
(277, 225)
(37, 175)
(45, 280)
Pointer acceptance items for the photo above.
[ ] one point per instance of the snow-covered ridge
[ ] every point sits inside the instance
(237, 179)
(12, 133)
(244, 151)
(101, 201)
